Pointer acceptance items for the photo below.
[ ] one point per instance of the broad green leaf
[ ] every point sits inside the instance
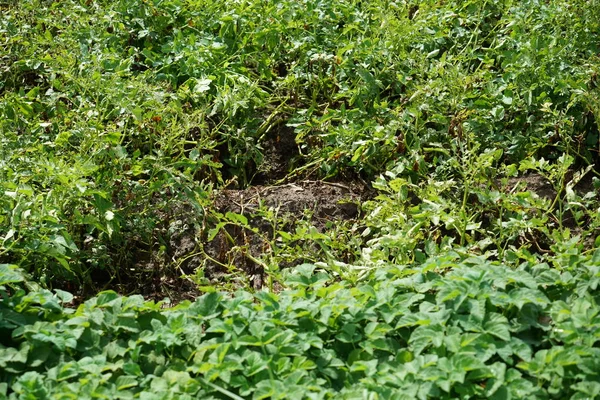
(239, 218)
(497, 325)
(10, 274)
(126, 382)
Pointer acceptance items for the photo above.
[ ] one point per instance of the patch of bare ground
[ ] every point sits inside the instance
(279, 154)
(535, 183)
(235, 249)
(241, 246)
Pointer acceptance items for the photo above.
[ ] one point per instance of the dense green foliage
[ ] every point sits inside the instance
(471, 271)
(444, 330)
(113, 110)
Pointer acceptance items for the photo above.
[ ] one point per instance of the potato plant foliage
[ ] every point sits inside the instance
(470, 270)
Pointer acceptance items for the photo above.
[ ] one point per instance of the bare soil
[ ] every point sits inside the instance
(280, 152)
(239, 247)
(535, 183)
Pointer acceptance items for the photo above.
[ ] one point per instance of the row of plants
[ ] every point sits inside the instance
(116, 115)
(454, 327)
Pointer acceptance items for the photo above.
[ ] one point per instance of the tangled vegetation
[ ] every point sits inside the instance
(343, 199)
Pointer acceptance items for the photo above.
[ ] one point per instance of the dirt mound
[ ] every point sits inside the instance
(325, 199)
(239, 245)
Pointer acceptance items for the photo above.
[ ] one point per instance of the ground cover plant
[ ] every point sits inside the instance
(341, 199)
(446, 329)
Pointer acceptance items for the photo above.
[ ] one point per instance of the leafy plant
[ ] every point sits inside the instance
(471, 271)
(453, 327)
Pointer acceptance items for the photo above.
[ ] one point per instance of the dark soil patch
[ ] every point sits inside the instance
(535, 183)
(539, 185)
(280, 151)
(235, 249)
(277, 155)
(239, 247)
(209, 248)
(327, 200)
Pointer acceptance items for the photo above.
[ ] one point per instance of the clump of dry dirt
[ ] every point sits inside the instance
(327, 200)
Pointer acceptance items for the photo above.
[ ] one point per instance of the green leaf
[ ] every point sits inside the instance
(10, 274)
(12, 355)
(64, 297)
(202, 85)
(206, 305)
(497, 325)
(126, 382)
(31, 386)
(127, 323)
(433, 53)
(424, 336)
(213, 232)
(239, 218)
(106, 297)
